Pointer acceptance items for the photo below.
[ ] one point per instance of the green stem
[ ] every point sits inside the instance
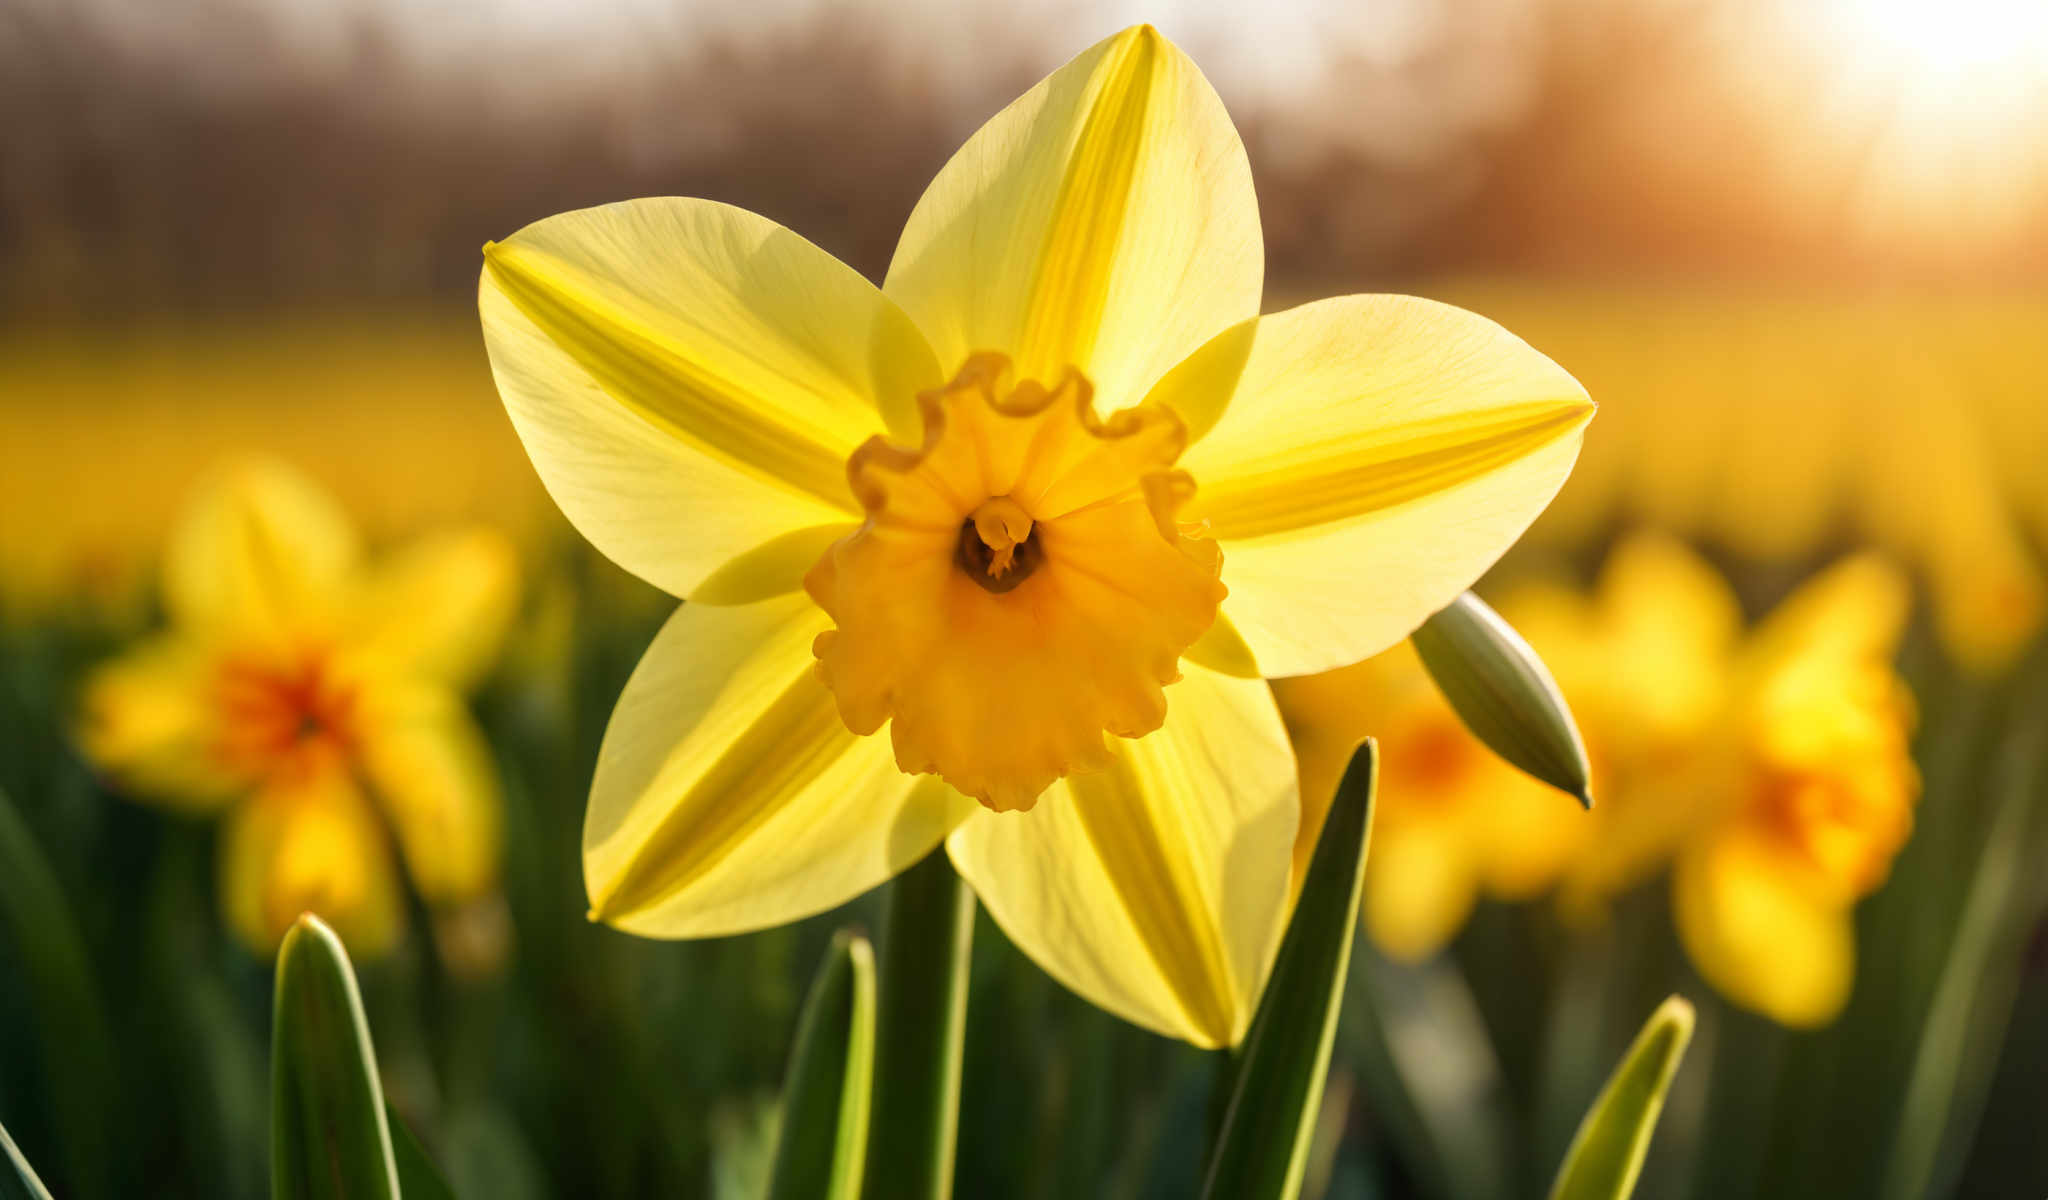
(927, 935)
(1222, 1084)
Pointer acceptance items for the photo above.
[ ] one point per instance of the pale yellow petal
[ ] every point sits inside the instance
(150, 720)
(1156, 888)
(730, 797)
(689, 378)
(774, 568)
(259, 547)
(1764, 941)
(1376, 454)
(433, 776)
(310, 844)
(440, 607)
(1105, 220)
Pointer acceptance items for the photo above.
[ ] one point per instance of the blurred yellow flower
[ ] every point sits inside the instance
(1770, 772)
(986, 565)
(1816, 734)
(316, 703)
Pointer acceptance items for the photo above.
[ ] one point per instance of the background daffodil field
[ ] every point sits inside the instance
(289, 624)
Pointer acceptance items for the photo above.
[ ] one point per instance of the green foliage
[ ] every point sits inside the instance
(328, 1139)
(1262, 1148)
(1607, 1154)
(1504, 694)
(822, 1150)
(70, 1021)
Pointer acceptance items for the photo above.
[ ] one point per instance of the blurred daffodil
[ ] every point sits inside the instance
(315, 702)
(1769, 772)
(900, 506)
(1815, 735)
(1451, 820)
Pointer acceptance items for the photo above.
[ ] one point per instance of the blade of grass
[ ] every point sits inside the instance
(1973, 999)
(1262, 1149)
(328, 1138)
(24, 1181)
(65, 1000)
(418, 1177)
(822, 1149)
(1607, 1154)
(927, 939)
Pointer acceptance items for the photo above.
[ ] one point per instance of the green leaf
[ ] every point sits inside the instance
(1262, 1148)
(22, 1175)
(822, 1149)
(1607, 1152)
(418, 1177)
(927, 937)
(328, 1138)
(1504, 694)
(66, 1003)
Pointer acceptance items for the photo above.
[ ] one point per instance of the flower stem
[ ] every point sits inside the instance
(927, 939)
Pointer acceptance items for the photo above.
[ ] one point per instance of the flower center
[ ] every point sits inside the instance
(278, 711)
(1020, 588)
(998, 547)
(1836, 782)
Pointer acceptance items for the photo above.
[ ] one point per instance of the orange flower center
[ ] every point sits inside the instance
(281, 711)
(1020, 588)
(1837, 781)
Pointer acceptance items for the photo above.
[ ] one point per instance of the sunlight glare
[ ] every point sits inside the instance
(1948, 36)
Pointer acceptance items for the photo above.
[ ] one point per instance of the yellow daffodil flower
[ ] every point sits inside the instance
(902, 506)
(316, 703)
(1451, 820)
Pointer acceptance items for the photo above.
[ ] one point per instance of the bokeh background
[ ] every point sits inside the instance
(1796, 249)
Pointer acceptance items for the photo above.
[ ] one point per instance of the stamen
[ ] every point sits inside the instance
(998, 546)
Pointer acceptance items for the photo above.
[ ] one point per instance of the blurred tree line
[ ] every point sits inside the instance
(1586, 136)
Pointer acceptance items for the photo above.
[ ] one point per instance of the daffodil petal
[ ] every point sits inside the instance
(1760, 938)
(689, 378)
(259, 546)
(310, 844)
(1105, 220)
(434, 778)
(440, 607)
(1375, 456)
(729, 796)
(774, 568)
(1671, 626)
(1156, 888)
(149, 719)
(1851, 614)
